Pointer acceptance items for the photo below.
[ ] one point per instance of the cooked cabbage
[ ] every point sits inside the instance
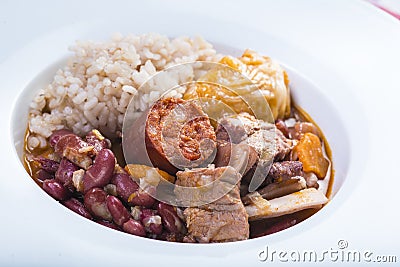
(248, 85)
(268, 75)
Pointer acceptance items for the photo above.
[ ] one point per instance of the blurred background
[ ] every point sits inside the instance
(390, 6)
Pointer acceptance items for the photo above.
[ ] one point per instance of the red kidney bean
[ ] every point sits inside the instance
(56, 135)
(77, 206)
(134, 227)
(109, 225)
(125, 185)
(100, 173)
(146, 213)
(170, 218)
(118, 212)
(98, 141)
(65, 172)
(130, 192)
(56, 190)
(142, 198)
(43, 175)
(153, 224)
(50, 166)
(151, 221)
(95, 201)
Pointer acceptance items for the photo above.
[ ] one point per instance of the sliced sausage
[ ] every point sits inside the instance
(177, 135)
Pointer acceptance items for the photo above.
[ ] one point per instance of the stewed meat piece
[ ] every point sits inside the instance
(222, 216)
(283, 145)
(265, 138)
(285, 170)
(217, 226)
(268, 141)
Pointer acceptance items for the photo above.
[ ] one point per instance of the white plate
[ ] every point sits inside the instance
(348, 49)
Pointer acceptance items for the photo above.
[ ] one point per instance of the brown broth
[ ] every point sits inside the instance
(30, 165)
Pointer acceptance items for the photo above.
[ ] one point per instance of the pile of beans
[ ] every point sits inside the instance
(105, 192)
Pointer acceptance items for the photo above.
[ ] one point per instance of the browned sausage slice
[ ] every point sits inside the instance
(178, 134)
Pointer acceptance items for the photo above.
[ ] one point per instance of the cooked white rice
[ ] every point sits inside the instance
(100, 79)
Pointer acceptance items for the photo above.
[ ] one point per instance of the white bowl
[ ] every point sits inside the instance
(39, 231)
(306, 94)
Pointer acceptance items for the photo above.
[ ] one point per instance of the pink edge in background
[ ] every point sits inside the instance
(392, 7)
